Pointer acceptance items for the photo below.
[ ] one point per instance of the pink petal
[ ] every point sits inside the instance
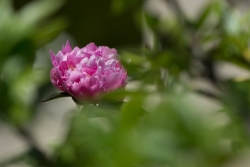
(107, 52)
(67, 48)
(92, 62)
(90, 47)
(53, 58)
(88, 71)
(55, 79)
(75, 76)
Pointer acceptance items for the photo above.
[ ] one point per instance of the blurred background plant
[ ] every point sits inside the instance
(187, 98)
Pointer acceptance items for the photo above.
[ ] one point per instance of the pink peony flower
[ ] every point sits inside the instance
(86, 73)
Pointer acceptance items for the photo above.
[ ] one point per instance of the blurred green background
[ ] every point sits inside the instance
(187, 99)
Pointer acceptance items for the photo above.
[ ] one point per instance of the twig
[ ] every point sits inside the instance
(208, 94)
(39, 155)
(34, 150)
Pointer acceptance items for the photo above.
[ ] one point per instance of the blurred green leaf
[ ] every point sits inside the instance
(150, 21)
(49, 31)
(232, 22)
(119, 6)
(132, 110)
(133, 58)
(163, 121)
(92, 111)
(38, 10)
(211, 15)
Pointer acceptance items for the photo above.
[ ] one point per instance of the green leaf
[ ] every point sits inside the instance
(132, 58)
(92, 111)
(132, 110)
(151, 21)
(56, 96)
(203, 16)
(211, 14)
(232, 22)
(38, 10)
(119, 6)
(49, 31)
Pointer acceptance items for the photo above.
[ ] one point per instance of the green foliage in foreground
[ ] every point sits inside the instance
(164, 121)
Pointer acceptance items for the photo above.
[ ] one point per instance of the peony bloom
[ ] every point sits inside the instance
(85, 73)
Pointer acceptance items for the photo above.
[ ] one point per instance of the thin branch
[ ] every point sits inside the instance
(34, 151)
(39, 155)
(208, 94)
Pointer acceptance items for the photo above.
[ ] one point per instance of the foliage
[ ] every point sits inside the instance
(158, 123)
(22, 33)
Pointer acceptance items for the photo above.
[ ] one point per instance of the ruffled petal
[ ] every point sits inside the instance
(53, 58)
(67, 48)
